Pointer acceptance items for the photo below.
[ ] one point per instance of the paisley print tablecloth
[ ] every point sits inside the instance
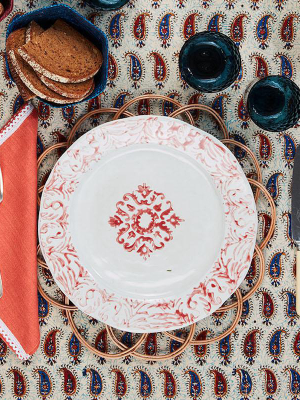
(260, 360)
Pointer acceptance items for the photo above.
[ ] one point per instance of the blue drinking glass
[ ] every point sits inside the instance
(273, 103)
(107, 4)
(209, 61)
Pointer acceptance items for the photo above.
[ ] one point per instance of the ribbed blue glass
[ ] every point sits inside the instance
(107, 4)
(273, 103)
(209, 61)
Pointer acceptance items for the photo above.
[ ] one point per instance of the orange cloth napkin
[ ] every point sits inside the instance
(19, 325)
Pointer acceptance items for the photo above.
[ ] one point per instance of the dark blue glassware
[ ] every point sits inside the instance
(107, 4)
(273, 103)
(209, 61)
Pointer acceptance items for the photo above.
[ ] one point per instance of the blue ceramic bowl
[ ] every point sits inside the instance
(273, 103)
(46, 17)
(107, 5)
(209, 61)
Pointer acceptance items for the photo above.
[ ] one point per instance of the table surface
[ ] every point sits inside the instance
(273, 341)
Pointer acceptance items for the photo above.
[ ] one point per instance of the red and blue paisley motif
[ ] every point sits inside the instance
(286, 67)
(139, 29)
(275, 268)
(96, 383)
(201, 351)
(189, 25)
(115, 29)
(294, 382)
(220, 384)
(271, 384)
(45, 385)
(50, 346)
(263, 31)
(145, 384)
(19, 383)
(74, 349)
(135, 70)
(275, 346)
(237, 33)
(245, 383)
(214, 23)
(43, 308)
(250, 345)
(195, 384)
(287, 31)
(160, 69)
(225, 349)
(164, 30)
(120, 384)
(170, 385)
(70, 385)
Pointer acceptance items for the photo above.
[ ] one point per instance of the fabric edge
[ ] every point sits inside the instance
(12, 341)
(15, 122)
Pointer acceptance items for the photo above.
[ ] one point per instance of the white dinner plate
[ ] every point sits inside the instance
(147, 224)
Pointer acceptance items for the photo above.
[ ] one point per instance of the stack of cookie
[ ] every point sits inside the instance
(57, 64)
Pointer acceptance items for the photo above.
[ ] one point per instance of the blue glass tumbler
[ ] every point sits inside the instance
(107, 4)
(273, 103)
(209, 61)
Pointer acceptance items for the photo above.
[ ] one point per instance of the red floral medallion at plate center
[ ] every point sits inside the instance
(145, 221)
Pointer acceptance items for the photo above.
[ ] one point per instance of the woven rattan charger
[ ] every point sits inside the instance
(238, 304)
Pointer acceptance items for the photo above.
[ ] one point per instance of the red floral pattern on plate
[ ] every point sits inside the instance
(145, 220)
(143, 315)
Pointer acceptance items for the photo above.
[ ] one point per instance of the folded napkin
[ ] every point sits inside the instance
(19, 325)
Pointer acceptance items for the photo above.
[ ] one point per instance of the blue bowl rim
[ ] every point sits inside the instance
(104, 67)
(107, 8)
